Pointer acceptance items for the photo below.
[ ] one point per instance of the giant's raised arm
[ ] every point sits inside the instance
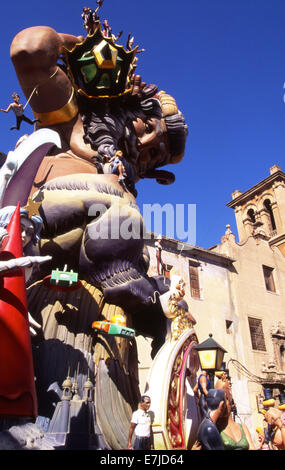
(34, 53)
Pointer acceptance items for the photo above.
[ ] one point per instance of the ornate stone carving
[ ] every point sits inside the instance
(278, 331)
(274, 370)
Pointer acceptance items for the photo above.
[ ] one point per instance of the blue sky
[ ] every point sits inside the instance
(223, 61)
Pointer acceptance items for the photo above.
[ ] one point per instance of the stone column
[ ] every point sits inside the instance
(248, 227)
(277, 217)
(279, 192)
(265, 219)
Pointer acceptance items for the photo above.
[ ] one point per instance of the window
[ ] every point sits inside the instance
(269, 279)
(256, 334)
(251, 215)
(229, 325)
(194, 281)
(268, 208)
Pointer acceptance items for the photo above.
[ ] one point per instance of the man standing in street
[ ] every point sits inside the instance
(141, 423)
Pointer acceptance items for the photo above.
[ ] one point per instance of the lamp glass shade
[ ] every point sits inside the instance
(211, 354)
(219, 360)
(208, 359)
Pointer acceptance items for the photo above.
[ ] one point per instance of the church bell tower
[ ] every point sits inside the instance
(260, 211)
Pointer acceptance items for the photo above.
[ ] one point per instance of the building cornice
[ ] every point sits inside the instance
(190, 251)
(258, 188)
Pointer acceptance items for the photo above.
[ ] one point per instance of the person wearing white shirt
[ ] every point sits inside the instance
(141, 424)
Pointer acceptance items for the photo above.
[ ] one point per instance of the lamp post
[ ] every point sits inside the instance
(211, 356)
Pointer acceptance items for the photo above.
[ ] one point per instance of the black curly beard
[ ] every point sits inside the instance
(103, 127)
(110, 128)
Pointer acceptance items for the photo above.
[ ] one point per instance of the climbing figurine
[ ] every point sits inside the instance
(130, 43)
(107, 31)
(118, 167)
(90, 17)
(19, 110)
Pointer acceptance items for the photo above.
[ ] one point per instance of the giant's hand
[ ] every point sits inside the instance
(34, 53)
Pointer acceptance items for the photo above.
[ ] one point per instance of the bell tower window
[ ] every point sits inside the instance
(268, 208)
(251, 215)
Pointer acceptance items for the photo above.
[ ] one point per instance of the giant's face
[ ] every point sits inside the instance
(152, 143)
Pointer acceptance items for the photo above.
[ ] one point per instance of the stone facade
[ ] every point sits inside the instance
(254, 302)
(236, 291)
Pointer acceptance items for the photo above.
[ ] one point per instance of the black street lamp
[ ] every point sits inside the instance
(211, 356)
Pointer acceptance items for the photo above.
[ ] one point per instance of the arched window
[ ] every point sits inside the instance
(251, 215)
(268, 208)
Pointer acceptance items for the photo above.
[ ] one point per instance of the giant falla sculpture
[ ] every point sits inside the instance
(99, 130)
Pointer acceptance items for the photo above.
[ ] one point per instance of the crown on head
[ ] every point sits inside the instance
(100, 68)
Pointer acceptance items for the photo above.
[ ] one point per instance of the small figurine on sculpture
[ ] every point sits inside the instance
(159, 263)
(130, 43)
(19, 110)
(120, 167)
(175, 307)
(87, 18)
(90, 17)
(107, 31)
